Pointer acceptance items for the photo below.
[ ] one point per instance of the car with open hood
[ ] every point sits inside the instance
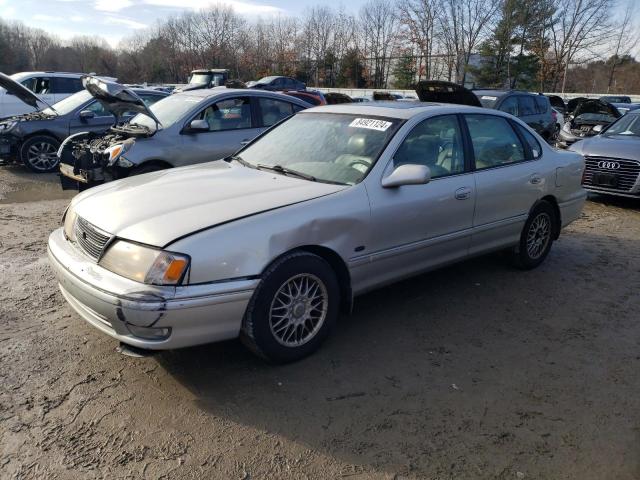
(612, 157)
(34, 138)
(584, 115)
(271, 244)
(184, 128)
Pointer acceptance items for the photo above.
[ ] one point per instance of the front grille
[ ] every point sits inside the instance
(627, 172)
(91, 239)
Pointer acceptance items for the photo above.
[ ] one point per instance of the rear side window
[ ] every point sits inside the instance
(272, 111)
(66, 85)
(526, 105)
(495, 143)
(510, 105)
(542, 104)
(534, 145)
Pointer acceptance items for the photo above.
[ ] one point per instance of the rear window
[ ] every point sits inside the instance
(534, 145)
(527, 106)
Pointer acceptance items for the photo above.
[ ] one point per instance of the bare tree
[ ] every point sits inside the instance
(580, 27)
(420, 19)
(465, 24)
(625, 41)
(379, 28)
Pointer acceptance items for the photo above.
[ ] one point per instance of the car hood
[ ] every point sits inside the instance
(116, 98)
(160, 207)
(597, 107)
(615, 146)
(21, 92)
(446, 92)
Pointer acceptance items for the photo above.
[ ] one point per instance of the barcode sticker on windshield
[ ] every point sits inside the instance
(370, 123)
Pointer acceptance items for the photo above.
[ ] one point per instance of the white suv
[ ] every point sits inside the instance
(50, 87)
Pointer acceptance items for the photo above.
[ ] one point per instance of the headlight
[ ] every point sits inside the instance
(6, 126)
(116, 151)
(69, 224)
(145, 264)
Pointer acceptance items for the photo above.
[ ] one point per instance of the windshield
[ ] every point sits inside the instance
(627, 125)
(168, 110)
(69, 104)
(331, 147)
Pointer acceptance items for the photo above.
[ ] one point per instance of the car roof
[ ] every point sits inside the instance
(205, 93)
(150, 90)
(399, 110)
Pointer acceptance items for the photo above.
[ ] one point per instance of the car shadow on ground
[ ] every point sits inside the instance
(450, 364)
(615, 201)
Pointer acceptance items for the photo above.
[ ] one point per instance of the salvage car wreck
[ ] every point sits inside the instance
(584, 115)
(182, 129)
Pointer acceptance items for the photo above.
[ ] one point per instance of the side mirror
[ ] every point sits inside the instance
(598, 128)
(199, 126)
(87, 114)
(408, 174)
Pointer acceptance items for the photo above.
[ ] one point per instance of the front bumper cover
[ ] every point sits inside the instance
(195, 314)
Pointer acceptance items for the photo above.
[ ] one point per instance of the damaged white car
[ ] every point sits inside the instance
(271, 244)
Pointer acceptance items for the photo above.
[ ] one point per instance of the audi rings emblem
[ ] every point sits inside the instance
(608, 165)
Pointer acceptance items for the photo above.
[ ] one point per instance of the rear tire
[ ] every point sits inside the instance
(536, 237)
(40, 153)
(293, 309)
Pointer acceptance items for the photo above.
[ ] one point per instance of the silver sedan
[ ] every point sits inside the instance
(273, 243)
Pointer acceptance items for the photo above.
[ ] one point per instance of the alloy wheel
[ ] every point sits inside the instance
(298, 310)
(539, 235)
(42, 155)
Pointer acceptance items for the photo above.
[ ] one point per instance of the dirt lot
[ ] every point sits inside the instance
(474, 371)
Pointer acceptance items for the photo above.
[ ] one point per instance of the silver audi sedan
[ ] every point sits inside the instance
(269, 245)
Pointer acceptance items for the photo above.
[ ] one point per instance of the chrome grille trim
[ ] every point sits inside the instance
(90, 238)
(627, 173)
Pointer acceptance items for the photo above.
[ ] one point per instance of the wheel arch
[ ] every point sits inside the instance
(336, 263)
(551, 200)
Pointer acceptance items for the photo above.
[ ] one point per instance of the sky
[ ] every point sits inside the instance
(116, 19)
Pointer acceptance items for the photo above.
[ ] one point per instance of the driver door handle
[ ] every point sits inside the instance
(463, 193)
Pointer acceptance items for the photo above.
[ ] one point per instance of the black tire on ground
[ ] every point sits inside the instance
(281, 323)
(536, 237)
(39, 153)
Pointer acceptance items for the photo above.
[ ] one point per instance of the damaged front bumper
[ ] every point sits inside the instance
(148, 316)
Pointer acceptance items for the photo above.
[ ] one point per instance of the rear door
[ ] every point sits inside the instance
(231, 125)
(42, 86)
(270, 111)
(507, 178)
(528, 112)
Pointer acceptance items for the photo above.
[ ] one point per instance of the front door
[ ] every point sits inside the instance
(417, 227)
(100, 122)
(231, 125)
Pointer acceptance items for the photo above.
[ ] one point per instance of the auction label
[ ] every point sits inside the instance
(370, 123)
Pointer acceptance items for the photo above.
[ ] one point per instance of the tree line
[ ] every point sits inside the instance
(544, 45)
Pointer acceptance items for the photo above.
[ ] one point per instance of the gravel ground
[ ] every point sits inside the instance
(474, 371)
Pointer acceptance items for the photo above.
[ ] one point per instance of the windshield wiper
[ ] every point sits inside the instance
(240, 160)
(287, 171)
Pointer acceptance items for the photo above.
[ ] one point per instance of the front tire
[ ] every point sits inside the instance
(39, 153)
(293, 309)
(536, 237)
